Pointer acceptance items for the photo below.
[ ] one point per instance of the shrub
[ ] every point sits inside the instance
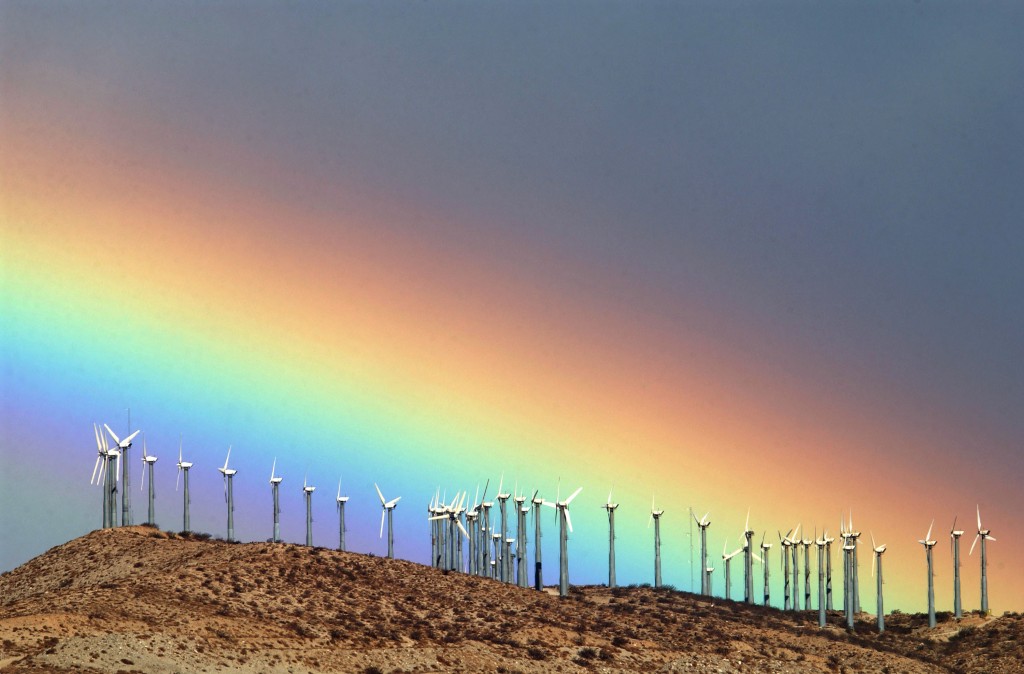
(587, 653)
(537, 653)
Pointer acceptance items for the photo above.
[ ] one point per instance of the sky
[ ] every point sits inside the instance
(727, 255)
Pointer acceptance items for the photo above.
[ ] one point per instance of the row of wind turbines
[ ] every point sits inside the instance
(495, 554)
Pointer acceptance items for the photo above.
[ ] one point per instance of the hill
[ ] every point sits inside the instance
(142, 600)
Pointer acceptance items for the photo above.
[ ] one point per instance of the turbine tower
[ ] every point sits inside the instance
(928, 545)
(748, 562)
(656, 518)
(877, 561)
(855, 535)
(485, 527)
(787, 542)
(848, 605)
(983, 535)
(103, 473)
(341, 501)
(307, 491)
(521, 511)
(610, 507)
(821, 543)
(704, 523)
(183, 466)
(538, 574)
(123, 446)
(954, 551)
(807, 543)
(388, 509)
(727, 558)
(502, 503)
(565, 522)
(275, 484)
(229, 494)
(795, 550)
(147, 467)
(828, 569)
(765, 547)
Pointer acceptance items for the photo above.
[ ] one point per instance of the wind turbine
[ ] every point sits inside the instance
(275, 484)
(795, 550)
(821, 543)
(954, 551)
(107, 476)
(502, 502)
(828, 569)
(656, 518)
(877, 561)
(123, 446)
(983, 535)
(229, 494)
(307, 491)
(610, 507)
(474, 534)
(704, 523)
(521, 511)
(147, 467)
(848, 605)
(183, 466)
(807, 543)
(765, 547)
(855, 535)
(748, 562)
(928, 545)
(388, 509)
(565, 522)
(341, 501)
(787, 542)
(485, 526)
(538, 575)
(727, 558)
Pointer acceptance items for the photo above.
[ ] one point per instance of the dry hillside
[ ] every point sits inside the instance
(141, 600)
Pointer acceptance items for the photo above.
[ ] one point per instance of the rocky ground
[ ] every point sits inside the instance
(141, 600)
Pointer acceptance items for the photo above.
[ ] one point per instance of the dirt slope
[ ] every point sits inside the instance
(141, 600)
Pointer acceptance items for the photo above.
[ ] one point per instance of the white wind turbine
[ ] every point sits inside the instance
(727, 558)
(821, 543)
(954, 551)
(704, 523)
(123, 446)
(229, 493)
(928, 544)
(104, 474)
(307, 491)
(388, 509)
(787, 542)
(610, 507)
(982, 535)
(807, 543)
(275, 487)
(341, 501)
(521, 549)
(147, 467)
(765, 548)
(565, 522)
(502, 503)
(877, 561)
(748, 561)
(183, 466)
(656, 518)
(538, 575)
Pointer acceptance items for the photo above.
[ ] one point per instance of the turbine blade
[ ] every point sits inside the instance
(178, 477)
(746, 527)
(378, 493)
(462, 528)
(273, 467)
(976, 536)
(95, 467)
(568, 520)
(928, 536)
(574, 495)
(96, 432)
(339, 487)
(383, 512)
(142, 482)
(227, 458)
(114, 435)
(979, 517)
(131, 437)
